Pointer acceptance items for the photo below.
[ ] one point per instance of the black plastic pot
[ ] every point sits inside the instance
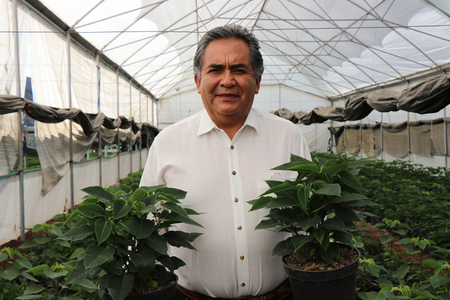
(338, 284)
(167, 293)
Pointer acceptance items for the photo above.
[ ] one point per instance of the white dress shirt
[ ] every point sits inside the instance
(220, 175)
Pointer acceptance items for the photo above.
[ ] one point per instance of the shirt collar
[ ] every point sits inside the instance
(206, 124)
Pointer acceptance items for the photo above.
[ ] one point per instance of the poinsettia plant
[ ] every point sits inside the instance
(318, 206)
(125, 237)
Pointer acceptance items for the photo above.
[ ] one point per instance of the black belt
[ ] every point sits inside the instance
(282, 291)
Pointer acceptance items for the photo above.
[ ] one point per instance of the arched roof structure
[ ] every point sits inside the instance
(326, 48)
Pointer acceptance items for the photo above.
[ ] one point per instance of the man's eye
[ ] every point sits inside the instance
(241, 71)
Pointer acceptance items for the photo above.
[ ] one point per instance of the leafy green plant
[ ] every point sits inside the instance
(125, 237)
(317, 207)
(42, 271)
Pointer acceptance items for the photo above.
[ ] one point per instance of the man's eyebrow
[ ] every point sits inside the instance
(215, 66)
(234, 66)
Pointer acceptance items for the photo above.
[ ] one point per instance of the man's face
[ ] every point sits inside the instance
(227, 84)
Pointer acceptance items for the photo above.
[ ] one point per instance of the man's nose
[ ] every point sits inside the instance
(228, 79)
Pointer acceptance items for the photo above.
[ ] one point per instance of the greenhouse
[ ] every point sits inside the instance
(86, 86)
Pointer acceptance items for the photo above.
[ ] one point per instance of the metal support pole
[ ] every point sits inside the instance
(382, 141)
(99, 135)
(130, 144)
(69, 89)
(19, 121)
(118, 129)
(140, 136)
(409, 138)
(360, 139)
(445, 138)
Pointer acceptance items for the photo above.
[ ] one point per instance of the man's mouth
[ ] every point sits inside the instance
(227, 96)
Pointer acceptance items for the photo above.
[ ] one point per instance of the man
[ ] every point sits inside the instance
(221, 157)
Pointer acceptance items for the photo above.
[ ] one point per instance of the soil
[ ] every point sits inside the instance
(308, 263)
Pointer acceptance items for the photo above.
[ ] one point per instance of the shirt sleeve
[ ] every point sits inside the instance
(152, 172)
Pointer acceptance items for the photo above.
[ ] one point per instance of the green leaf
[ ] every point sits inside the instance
(142, 228)
(27, 297)
(120, 285)
(33, 289)
(259, 203)
(333, 189)
(177, 193)
(87, 285)
(38, 270)
(9, 274)
(3, 256)
(157, 243)
(24, 262)
(268, 223)
(303, 196)
(294, 161)
(349, 197)
(125, 226)
(404, 241)
(368, 296)
(103, 229)
(282, 202)
(282, 248)
(306, 223)
(80, 272)
(40, 240)
(120, 208)
(144, 260)
(71, 217)
(298, 241)
(348, 179)
(139, 194)
(91, 210)
(77, 252)
(402, 271)
(334, 169)
(304, 167)
(51, 274)
(386, 239)
(28, 245)
(319, 234)
(180, 239)
(374, 270)
(346, 214)
(334, 225)
(97, 255)
(286, 185)
(184, 217)
(439, 280)
(28, 276)
(101, 194)
(77, 233)
(421, 292)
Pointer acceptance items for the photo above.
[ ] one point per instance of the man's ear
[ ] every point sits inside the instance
(197, 82)
(258, 85)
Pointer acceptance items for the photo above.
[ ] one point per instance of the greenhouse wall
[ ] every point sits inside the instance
(40, 208)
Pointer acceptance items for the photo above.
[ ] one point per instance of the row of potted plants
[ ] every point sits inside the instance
(113, 244)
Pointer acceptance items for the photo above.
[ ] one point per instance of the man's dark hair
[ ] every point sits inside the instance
(232, 31)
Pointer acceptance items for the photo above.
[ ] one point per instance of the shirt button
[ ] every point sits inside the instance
(242, 257)
(231, 147)
(234, 172)
(239, 227)
(236, 200)
(242, 284)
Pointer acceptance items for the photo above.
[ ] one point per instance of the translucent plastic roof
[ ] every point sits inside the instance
(323, 47)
